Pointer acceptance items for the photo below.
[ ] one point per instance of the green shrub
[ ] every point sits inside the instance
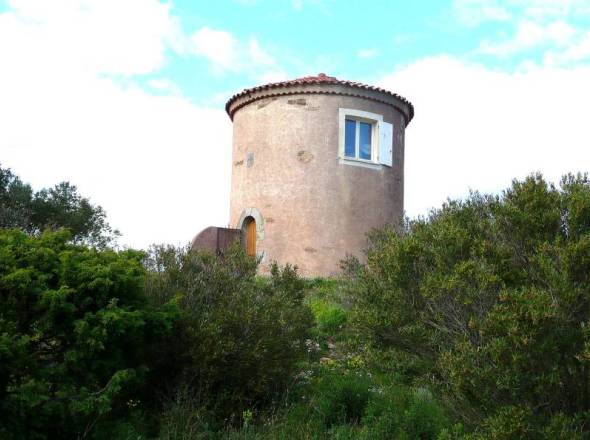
(424, 418)
(330, 318)
(77, 337)
(184, 418)
(385, 412)
(493, 295)
(341, 398)
(520, 422)
(562, 427)
(345, 405)
(241, 336)
(400, 412)
(325, 288)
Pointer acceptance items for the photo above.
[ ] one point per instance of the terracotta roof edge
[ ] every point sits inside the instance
(316, 80)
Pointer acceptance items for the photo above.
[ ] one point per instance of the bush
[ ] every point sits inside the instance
(330, 317)
(77, 337)
(400, 412)
(493, 294)
(352, 405)
(241, 336)
(341, 398)
(184, 418)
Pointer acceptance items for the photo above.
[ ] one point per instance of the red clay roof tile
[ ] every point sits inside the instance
(321, 78)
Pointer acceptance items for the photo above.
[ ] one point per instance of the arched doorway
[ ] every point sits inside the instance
(249, 231)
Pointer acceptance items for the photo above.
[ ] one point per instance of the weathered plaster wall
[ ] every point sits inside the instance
(314, 209)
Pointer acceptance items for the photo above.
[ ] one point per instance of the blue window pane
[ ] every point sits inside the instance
(349, 138)
(365, 140)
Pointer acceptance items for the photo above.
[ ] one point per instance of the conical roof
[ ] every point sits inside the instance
(319, 79)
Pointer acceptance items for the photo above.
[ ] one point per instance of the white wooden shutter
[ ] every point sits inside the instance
(386, 143)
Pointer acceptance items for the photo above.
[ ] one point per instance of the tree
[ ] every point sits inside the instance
(77, 336)
(241, 337)
(494, 294)
(52, 208)
(15, 201)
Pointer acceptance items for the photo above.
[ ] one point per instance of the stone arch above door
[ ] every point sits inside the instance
(257, 216)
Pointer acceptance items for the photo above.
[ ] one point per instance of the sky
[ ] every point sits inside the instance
(125, 98)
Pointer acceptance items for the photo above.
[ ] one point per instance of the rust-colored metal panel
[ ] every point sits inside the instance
(217, 240)
(225, 238)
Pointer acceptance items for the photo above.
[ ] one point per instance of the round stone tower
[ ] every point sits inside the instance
(317, 163)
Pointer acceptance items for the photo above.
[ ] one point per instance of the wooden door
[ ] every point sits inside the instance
(251, 238)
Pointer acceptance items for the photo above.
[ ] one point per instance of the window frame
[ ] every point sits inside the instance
(359, 116)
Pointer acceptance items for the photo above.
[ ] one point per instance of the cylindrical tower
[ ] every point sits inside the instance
(317, 163)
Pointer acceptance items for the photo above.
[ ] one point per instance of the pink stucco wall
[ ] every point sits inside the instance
(312, 209)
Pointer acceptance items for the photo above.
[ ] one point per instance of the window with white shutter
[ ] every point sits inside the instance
(364, 139)
(386, 143)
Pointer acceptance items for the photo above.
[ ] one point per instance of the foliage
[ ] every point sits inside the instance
(76, 335)
(241, 336)
(345, 404)
(52, 208)
(380, 408)
(493, 294)
(470, 324)
(340, 398)
(348, 394)
(184, 418)
(15, 201)
(401, 412)
(330, 317)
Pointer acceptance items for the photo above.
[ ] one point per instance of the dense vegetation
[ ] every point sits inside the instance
(76, 335)
(471, 323)
(491, 296)
(239, 339)
(52, 208)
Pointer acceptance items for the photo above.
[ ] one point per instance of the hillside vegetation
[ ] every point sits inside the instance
(472, 323)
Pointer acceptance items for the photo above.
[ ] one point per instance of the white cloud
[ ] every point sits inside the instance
(552, 8)
(530, 35)
(219, 47)
(97, 36)
(478, 128)
(273, 76)
(226, 53)
(159, 165)
(560, 44)
(165, 85)
(474, 12)
(258, 55)
(550, 28)
(576, 52)
(367, 53)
